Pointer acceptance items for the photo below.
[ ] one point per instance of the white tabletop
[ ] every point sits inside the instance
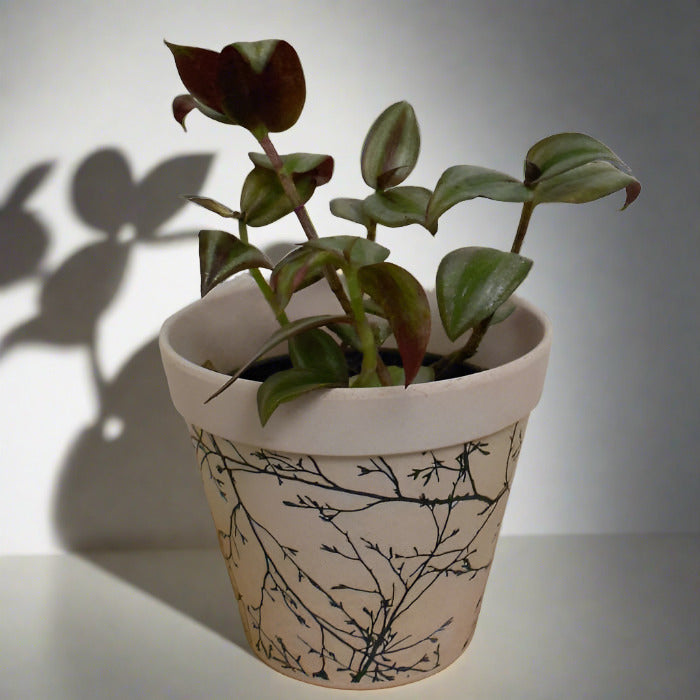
(569, 617)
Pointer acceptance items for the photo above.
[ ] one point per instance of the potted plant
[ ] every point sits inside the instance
(356, 435)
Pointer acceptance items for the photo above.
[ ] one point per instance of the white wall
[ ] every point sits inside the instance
(96, 249)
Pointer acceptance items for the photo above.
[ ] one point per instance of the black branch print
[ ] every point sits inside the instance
(352, 598)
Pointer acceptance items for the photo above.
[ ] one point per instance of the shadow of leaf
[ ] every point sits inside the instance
(130, 481)
(23, 238)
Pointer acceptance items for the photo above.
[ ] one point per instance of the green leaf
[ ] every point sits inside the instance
(316, 350)
(586, 183)
(263, 200)
(281, 335)
(211, 205)
(400, 206)
(319, 166)
(473, 282)
(405, 306)
(572, 167)
(221, 255)
(351, 210)
(391, 147)
(289, 384)
(462, 182)
(356, 251)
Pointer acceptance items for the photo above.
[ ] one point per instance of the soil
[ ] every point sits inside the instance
(261, 370)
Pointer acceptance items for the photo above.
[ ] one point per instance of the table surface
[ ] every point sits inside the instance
(564, 617)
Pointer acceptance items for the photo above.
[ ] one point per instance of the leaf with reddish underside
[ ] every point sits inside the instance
(406, 307)
(281, 335)
(221, 255)
(199, 72)
(262, 84)
(300, 268)
(576, 168)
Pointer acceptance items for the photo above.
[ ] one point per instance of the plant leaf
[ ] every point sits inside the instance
(405, 306)
(289, 384)
(262, 84)
(211, 205)
(199, 72)
(462, 182)
(263, 200)
(316, 350)
(356, 251)
(221, 255)
(182, 106)
(391, 147)
(473, 282)
(579, 168)
(351, 210)
(400, 206)
(319, 166)
(587, 183)
(281, 335)
(300, 268)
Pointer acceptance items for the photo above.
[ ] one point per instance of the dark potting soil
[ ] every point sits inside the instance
(262, 369)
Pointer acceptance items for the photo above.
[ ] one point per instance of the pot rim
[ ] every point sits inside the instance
(329, 421)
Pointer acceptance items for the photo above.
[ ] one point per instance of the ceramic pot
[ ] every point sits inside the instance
(358, 526)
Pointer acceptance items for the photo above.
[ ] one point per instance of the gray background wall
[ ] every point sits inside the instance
(96, 249)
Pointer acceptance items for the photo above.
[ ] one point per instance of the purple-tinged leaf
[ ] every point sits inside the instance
(576, 168)
(282, 335)
(300, 268)
(199, 72)
(182, 106)
(587, 183)
(391, 147)
(405, 306)
(262, 84)
(221, 255)
(473, 282)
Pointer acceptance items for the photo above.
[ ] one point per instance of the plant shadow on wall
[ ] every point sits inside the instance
(126, 482)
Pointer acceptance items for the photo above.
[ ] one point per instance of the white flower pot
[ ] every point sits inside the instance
(358, 526)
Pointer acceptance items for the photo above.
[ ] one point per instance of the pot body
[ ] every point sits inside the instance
(358, 526)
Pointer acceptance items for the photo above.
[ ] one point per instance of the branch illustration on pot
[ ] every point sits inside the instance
(356, 454)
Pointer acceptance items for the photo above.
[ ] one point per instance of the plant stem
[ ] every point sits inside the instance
(300, 210)
(370, 354)
(525, 215)
(262, 283)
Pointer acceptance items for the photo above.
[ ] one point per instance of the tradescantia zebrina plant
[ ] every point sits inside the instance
(260, 86)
